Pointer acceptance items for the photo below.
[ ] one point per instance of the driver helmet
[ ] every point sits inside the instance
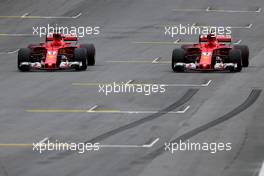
(57, 38)
(211, 39)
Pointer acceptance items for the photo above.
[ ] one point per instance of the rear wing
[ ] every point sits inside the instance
(219, 38)
(66, 37)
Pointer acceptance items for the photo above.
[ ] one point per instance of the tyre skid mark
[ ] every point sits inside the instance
(184, 99)
(251, 99)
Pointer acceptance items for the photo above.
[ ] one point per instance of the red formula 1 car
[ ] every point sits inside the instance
(211, 53)
(58, 52)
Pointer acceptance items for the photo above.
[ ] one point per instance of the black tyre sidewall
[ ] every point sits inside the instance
(244, 54)
(90, 53)
(80, 56)
(235, 57)
(178, 55)
(24, 55)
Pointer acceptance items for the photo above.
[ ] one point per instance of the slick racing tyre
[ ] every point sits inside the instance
(24, 55)
(244, 54)
(178, 55)
(90, 53)
(235, 57)
(80, 56)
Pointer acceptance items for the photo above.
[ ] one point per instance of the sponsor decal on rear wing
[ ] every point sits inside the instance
(66, 37)
(219, 38)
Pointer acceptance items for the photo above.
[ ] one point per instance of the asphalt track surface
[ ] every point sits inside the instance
(229, 109)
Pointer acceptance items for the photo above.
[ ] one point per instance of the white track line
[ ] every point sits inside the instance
(234, 11)
(162, 43)
(17, 35)
(259, 10)
(92, 109)
(77, 16)
(209, 9)
(242, 27)
(249, 26)
(238, 42)
(207, 84)
(95, 109)
(131, 146)
(11, 52)
(261, 171)
(151, 144)
(137, 112)
(189, 85)
(183, 111)
(130, 81)
(177, 41)
(43, 140)
(54, 17)
(189, 10)
(156, 60)
(167, 85)
(26, 16)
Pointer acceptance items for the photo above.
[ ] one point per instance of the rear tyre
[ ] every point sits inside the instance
(80, 56)
(244, 54)
(235, 57)
(178, 55)
(24, 55)
(90, 53)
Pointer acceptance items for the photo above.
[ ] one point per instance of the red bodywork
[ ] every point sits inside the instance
(207, 49)
(49, 51)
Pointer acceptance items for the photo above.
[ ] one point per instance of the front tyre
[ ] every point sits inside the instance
(178, 56)
(244, 54)
(80, 56)
(235, 57)
(24, 55)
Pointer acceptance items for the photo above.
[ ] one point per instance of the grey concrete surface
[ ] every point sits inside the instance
(122, 22)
